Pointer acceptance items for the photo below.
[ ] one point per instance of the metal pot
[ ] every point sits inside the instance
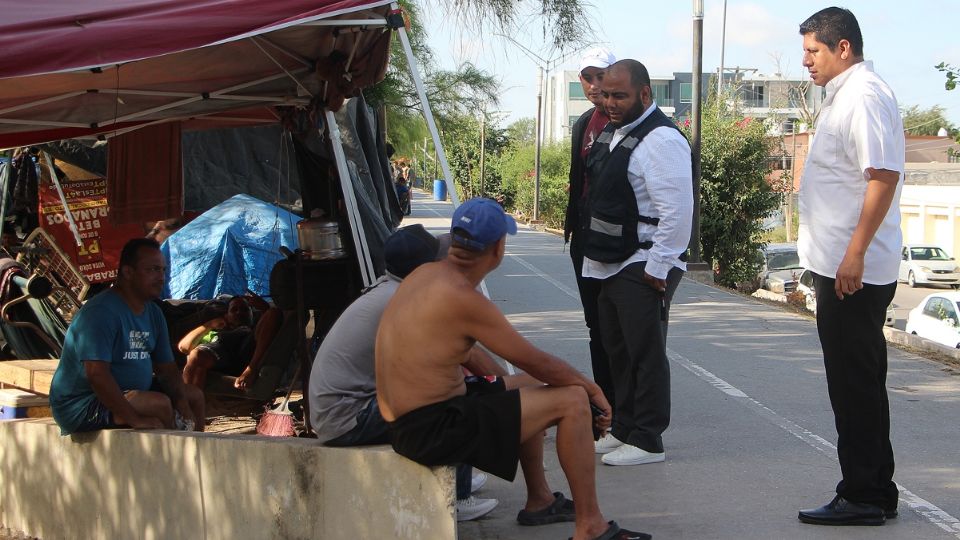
(320, 239)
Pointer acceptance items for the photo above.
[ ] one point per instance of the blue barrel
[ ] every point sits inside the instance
(439, 190)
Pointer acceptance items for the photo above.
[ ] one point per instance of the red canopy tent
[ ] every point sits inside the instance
(76, 68)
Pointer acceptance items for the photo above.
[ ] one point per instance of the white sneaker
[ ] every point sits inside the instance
(477, 481)
(473, 507)
(631, 455)
(607, 443)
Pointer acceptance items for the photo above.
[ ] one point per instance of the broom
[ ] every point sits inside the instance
(278, 422)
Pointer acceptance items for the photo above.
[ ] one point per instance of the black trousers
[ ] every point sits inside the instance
(855, 358)
(589, 291)
(635, 338)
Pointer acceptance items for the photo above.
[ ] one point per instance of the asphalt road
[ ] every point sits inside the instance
(752, 436)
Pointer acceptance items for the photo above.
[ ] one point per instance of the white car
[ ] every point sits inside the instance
(805, 286)
(936, 319)
(924, 264)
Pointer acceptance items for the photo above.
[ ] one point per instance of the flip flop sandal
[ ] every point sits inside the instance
(561, 509)
(614, 532)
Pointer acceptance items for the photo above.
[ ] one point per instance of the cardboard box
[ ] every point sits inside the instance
(16, 403)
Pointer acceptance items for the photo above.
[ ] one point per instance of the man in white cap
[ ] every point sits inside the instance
(587, 128)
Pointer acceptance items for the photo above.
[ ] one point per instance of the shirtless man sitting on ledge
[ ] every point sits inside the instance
(436, 419)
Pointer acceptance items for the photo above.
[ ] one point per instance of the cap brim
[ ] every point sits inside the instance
(511, 224)
(596, 63)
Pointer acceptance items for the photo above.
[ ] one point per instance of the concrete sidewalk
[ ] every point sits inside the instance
(752, 437)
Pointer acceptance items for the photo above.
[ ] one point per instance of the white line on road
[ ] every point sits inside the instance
(926, 509)
(929, 511)
(566, 290)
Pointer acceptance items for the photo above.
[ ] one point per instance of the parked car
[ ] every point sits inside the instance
(781, 268)
(805, 285)
(924, 264)
(936, 319)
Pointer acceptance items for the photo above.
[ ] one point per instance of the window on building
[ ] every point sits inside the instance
(753, 95)
(780, 163)
(576, 91)
(661, 94)
(686, 92)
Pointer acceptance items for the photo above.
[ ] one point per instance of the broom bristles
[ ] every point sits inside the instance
(276, 424)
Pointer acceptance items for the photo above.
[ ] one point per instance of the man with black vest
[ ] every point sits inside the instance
(640, 209)
(585, 131)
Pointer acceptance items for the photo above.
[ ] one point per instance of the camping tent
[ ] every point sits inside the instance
(228, 249)
(97, 68)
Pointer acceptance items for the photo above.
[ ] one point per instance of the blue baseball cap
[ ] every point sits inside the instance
(483, 220)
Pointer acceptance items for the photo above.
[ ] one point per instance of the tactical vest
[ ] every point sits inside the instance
(610, 233)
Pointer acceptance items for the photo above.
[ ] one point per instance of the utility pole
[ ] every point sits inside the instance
(542, 64)
(536, 181)
(695, 262)
(483, 144)
(723, 44)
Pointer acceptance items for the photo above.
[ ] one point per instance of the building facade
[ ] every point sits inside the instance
(787, 100)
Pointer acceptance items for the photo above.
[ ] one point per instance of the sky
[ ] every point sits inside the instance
(905, 40)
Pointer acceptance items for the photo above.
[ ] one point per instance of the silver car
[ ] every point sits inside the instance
(781, 268)
(926, 264)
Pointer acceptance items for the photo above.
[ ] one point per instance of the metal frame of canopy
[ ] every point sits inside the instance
(175, 105)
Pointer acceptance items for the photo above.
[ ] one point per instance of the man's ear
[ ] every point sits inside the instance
(846, 50)
(646, 95)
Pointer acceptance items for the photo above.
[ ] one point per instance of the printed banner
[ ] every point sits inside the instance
(99, 255)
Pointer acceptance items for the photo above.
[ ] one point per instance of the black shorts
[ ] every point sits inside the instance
(232, 349)
(480, 428)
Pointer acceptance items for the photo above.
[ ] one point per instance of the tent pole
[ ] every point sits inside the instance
(350, 201)
(63, 199)
(4, 183)
(427, 112)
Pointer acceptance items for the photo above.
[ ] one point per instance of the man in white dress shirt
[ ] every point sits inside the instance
(850, 239)
(640, 208)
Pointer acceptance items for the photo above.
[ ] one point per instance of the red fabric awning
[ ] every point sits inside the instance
(76, 68)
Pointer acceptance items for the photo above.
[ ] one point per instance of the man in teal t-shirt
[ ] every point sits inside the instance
(115, 346)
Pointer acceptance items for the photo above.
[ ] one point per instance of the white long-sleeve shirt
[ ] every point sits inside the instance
(659, 173)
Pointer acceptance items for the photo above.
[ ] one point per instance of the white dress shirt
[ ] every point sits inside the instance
(859, 127)
(660, 175)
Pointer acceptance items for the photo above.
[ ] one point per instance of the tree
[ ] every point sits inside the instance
(735, 193)
(951, 73)
(522, 131)
(917, 121)
(563, 22)
(516, 169)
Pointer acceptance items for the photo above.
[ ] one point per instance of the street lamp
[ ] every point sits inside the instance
(695, 262)
(544, 65)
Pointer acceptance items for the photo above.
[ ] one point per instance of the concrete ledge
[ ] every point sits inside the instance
(900, 337)
(129, 484)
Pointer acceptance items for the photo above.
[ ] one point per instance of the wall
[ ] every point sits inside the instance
(161, 485)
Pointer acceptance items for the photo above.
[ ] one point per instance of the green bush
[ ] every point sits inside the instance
(515, 168)
(735, 195)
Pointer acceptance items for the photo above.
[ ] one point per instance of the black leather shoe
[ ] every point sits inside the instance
(843, 512)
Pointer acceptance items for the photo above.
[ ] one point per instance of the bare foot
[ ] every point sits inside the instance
(245, 379)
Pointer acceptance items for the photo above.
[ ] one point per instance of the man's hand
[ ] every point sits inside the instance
(248, 377)
(597, 398)
(656, 283)
(849, 275)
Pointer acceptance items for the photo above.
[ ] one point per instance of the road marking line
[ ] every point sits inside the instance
(924, 508)
(563, 288)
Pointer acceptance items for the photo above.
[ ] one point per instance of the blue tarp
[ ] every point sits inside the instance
(228, 249)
